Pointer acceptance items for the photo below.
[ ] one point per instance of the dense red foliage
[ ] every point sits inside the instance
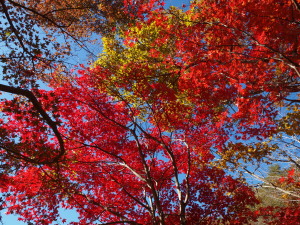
(119, 169)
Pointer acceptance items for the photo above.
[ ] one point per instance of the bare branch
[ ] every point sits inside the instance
(271, 184)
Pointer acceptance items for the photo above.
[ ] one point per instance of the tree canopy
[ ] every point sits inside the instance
(150, 130)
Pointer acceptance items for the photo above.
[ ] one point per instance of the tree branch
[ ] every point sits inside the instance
(272, 185)
(296, 4)
(37, 105)
(14, 30)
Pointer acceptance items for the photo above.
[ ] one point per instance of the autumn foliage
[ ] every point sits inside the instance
(146, 133)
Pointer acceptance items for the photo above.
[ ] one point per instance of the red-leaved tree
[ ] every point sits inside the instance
(117, 168)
